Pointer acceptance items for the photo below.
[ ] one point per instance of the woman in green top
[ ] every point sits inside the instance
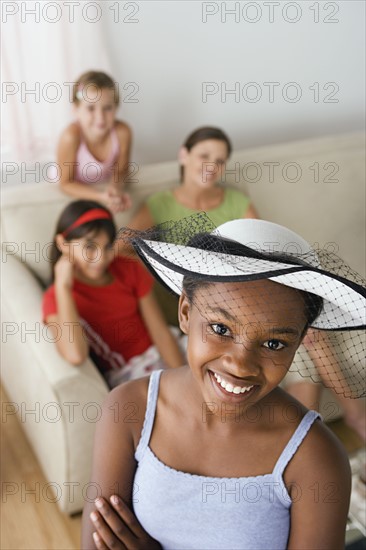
(202, 159)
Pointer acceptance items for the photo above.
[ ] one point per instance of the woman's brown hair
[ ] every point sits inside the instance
(202, 134)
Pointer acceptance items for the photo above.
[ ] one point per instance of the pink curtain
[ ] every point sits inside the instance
(45, 47)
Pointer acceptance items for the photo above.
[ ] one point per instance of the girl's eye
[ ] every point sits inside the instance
(91, 246)
(274, 345)
(108, 108)
(220, 330)
(90, 108)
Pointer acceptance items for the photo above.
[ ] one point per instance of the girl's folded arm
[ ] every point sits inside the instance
(125, 139)
(142, 219)
(114, 465)
(71, 343)
(251, 212)
(321, 482)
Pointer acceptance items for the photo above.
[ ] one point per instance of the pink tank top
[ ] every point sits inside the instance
(89, 169)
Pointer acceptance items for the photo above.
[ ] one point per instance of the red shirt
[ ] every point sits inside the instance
(112, 310)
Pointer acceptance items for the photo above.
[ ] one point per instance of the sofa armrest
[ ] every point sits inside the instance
(57, 404)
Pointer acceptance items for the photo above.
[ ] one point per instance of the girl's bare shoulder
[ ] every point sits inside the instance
(322, 447)
(319, 442)
(123, 129)
(134, 388)
(71, 135)
(134, 391)
(320, 455)
(125, 406)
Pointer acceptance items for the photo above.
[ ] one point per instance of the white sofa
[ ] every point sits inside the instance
(58, 404)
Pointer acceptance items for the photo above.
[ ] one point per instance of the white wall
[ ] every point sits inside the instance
(164, 52)
(170, 52)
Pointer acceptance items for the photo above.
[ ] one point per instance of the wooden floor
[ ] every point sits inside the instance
(31, 523)
(27, 520)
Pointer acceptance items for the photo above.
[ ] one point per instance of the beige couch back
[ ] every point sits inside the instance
(316, 187)
(29, 214)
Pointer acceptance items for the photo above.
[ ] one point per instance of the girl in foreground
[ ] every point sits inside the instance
(105, 299)
(216, 454)
(96, 147)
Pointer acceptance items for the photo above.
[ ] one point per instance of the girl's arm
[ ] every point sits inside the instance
(121, 171)
(159, 332)
(251, 213)
(65, 326)
(141, 220)
(119, 200)
(324, 357)
(66, 160)
(321, 478)
(117, 435)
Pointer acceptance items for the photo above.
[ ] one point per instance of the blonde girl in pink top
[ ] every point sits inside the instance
(96, 147)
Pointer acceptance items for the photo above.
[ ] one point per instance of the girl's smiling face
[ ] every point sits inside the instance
(205, 162)
(96, 112)
(242, 338)
(91, 256)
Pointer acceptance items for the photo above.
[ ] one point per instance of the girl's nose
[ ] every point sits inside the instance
(96, 254)
(242, 360)
(100, 116)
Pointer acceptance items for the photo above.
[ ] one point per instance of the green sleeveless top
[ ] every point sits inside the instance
(164, 207)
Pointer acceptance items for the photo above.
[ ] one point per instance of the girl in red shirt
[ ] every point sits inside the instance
(101, 303)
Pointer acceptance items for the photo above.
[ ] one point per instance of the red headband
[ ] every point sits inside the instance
(89, 216)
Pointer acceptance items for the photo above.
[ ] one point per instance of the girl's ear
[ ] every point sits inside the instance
(61, 243)
(182, 155)
(75, 109)
(184, 309)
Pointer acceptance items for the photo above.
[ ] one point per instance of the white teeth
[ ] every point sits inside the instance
(229, 387)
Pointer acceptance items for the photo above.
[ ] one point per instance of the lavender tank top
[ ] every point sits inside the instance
(185, 511)
(89, 169)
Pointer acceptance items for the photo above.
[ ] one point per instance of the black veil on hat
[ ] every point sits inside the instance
(252, 250)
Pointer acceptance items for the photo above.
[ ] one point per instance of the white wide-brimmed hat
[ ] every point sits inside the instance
(192, 252)
(247, 250)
